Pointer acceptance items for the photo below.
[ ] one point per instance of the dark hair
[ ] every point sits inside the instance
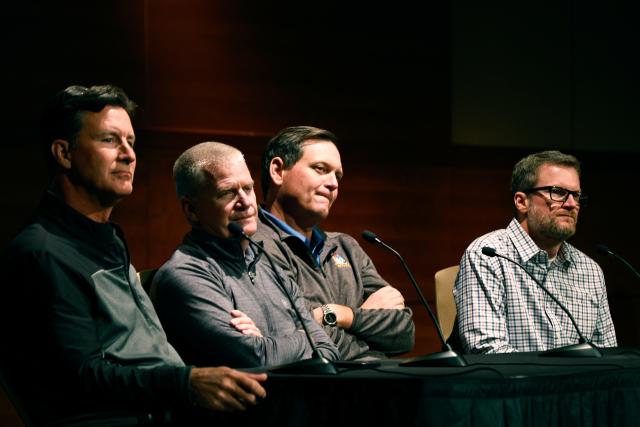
(62, 118)
(287, 144)
(525, 172)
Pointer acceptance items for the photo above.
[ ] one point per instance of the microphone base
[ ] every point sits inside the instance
(442, 358)
(585, 349)
(313, 366)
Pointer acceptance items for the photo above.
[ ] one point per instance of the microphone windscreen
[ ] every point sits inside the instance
(603, 249)
(488, 251)
(369, 236)
(235, 229)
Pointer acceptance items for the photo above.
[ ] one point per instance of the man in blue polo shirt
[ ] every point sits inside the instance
(361, 312)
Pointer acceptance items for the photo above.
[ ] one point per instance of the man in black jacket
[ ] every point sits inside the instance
(80, 335)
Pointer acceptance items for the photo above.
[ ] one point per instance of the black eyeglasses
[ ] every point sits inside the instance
(559, 194)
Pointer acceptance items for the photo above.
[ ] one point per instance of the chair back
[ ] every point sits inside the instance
(445, 304)
(146, 277)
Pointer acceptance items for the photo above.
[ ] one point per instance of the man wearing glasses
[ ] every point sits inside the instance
(500, 308)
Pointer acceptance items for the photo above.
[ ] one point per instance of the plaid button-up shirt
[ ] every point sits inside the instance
(501, 309)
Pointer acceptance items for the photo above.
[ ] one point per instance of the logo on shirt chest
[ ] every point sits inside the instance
(340, 262)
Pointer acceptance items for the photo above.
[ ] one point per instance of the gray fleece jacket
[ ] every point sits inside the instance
(208, 277)
(345, 275)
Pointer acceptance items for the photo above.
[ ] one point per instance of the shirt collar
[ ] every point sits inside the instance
(318, 237)
(284, 226)
(527, 248)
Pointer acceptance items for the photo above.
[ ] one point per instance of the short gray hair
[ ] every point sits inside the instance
(189, 169)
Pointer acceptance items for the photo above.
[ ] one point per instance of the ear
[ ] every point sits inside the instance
(189, 210)
(521, 202)
(61, 151)
(276, 170)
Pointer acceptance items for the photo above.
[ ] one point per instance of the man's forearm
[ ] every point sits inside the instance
(388, 330)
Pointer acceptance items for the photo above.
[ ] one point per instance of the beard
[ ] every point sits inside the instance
(551, 226)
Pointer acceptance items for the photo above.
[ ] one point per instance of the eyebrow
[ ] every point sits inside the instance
(236, 186)
(130, 137)
(328, 165)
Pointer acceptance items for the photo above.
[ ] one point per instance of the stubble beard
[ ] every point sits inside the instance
(551, 227)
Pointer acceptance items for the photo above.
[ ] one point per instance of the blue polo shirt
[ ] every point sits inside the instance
(315, 244)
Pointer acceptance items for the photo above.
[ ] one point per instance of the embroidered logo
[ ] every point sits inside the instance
(340, 262)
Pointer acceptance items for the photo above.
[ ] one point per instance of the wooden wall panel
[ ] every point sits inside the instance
(253, 66)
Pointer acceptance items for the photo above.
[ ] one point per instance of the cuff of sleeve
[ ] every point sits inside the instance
(356, 319)
(191, 394)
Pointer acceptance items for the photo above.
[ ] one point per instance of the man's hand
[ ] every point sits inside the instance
(244, 324)
(387, 297)
(225, 389)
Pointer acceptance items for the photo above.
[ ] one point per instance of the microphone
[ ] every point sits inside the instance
(317, 364)
(604, 249)
(584, 348)
(446, 357)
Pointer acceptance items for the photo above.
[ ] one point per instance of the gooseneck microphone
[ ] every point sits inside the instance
(446, 357)
(584, 348)
(604, 249)
(317, 364)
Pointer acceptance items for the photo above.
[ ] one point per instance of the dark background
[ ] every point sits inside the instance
(433, 104)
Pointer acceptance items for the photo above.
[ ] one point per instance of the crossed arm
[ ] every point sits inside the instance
(382, 320)
(385, 298)
(227, 323)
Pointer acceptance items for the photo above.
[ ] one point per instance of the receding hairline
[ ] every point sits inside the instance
(194, 164)
(207, 153)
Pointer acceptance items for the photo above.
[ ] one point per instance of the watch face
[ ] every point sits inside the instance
(330, 318)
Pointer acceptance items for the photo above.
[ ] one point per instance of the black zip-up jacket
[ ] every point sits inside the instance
(79, 334)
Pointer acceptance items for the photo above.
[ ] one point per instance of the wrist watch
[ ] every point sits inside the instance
(329, 317)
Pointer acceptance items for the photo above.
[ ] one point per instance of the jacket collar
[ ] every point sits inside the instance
(294, 242)
(268, 219)
(76, 224)
(228, 248)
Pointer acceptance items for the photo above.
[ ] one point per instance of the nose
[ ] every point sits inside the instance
(243, 198)
(332, 181)
(127, 153)
(571, 202)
